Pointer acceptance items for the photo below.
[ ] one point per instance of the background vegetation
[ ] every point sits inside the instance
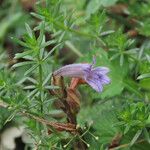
(38, 37)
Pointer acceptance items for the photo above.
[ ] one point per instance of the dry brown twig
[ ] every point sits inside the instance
(57, 126)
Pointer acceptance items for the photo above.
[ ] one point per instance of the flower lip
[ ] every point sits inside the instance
(95, 77)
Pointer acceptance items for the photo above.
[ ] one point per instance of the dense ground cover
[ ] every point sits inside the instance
(76, 107)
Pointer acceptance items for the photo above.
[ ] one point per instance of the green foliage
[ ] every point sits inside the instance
(101, 119)
(134, 116)
(94, 5)
(61, 32)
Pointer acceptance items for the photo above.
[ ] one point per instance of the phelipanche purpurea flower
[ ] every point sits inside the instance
(95, 77)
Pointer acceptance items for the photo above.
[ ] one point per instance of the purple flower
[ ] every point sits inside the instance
(95, 77)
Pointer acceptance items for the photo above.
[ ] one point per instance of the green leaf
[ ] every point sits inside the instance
(29, 57)
(52, 50)
(45, 44)
(132, 86)
(23, 64)
(29, 87)
(147, 135)
(94, 5)
(51, 87)
(121, 60)
(21, 55)
(41, 36)
(32, 93)
(29, 30)
(20, 42)
(37, 15)
(47, 79)
(114, 56)
(145, 28)
(127, 128)
(148, 120)
(146, 75)
(12, 115)
(31, 69)
(136, 137)
(145, 83)
(107, 32)
(73, 48)
(32, 80)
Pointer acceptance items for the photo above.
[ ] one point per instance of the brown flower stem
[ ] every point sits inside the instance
(69, 99)
(58, 126)
(69, 127)
(70, 116)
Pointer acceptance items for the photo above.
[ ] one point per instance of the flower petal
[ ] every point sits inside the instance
(100, 70)
(95, 84)
(105, 79)
(73, 70)
(96, 77)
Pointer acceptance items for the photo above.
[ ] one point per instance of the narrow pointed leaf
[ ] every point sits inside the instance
(19, 42)
(47, 78)
(30, 70)
(50, 87)
(29, 87)
(21, 55)
(136, 137)
(147, 135)
(41, 36)
(51, 51)
(147, 75)
(32, 80)
(45, 44)
(23, 64)
(29, 31)
(32, 93)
